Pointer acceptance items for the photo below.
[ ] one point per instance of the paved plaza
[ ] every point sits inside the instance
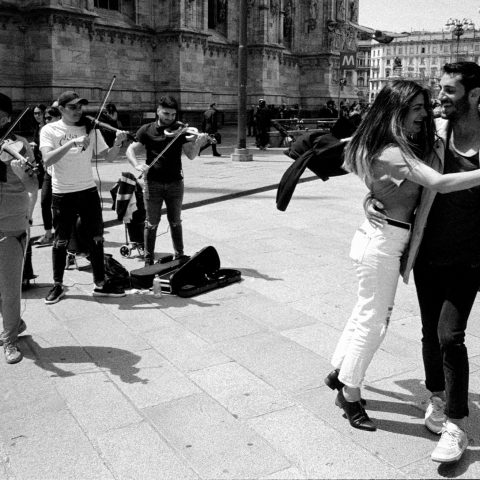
(227, 384)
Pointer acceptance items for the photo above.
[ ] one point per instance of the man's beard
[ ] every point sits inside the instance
(460, 108)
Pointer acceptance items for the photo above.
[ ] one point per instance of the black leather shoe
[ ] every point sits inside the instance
(332, 382)
(355, 413)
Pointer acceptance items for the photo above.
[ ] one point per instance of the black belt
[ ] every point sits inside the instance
(398, 223)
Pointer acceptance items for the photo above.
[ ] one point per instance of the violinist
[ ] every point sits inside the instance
(163, 174)
(68, 147)
(18, 190)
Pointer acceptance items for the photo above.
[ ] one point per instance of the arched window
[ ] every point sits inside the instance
(360, 82)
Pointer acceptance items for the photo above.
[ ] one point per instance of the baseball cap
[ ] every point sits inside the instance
(70, 97)
(5, 104)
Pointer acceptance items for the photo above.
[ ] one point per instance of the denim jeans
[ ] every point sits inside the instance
(155, 193)
(376, 252)
(12, 251)
(446, 296)
(66, 208)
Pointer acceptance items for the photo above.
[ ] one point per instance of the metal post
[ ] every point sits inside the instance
(241, 153)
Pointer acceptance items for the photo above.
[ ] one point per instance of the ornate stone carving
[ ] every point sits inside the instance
(312, 15)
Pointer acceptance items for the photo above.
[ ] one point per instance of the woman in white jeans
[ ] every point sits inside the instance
(385, 153)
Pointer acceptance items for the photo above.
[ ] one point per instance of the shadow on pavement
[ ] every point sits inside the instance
(102, 357)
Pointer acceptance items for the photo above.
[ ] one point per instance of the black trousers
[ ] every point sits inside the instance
(446, 296)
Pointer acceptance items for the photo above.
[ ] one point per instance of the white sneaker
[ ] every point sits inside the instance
(451, 445)
(435, 416)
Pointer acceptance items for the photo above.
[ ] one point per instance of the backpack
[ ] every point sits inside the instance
(115, 272)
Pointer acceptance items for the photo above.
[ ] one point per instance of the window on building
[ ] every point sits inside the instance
(387, 73)
(477, 48)
(434, 49)
(446, 48)
(389, 51)
(107, 4)
(360, 82)
(217, 15)
(422, 61)
(412, 49)
(400, 50)
(388, 61)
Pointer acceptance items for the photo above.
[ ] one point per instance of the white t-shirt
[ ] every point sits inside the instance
(73, 172)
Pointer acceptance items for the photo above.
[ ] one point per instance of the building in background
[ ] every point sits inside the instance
(420, 56)
(187, 48)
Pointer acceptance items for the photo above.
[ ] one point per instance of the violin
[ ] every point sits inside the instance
(190, 132)
(13, 148)
(94, 123)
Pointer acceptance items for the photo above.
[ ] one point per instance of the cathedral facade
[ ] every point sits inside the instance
(187, 48)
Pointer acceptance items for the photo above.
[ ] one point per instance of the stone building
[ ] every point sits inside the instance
(187, 48)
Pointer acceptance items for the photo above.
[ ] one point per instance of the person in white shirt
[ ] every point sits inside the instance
(67, 148)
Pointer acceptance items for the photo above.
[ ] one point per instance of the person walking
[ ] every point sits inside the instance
(68, 148)
(445, 257)
(385, 152)
(263, 122)
(210, 126)
(18, 192)
(164, 178)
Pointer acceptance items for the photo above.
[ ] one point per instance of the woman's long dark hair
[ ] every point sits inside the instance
(383, 126)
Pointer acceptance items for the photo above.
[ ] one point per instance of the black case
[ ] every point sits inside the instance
(143, 277)
(199, 274)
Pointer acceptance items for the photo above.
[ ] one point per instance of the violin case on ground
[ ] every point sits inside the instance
(143, 277)
(200, 273)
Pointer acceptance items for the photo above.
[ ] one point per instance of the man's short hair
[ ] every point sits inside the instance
(212, 105)
(330, 102)
(6, 104)
(71, 97)
(168, 102)
(469, 71)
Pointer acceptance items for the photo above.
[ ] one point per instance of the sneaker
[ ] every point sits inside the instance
(12, 353)
(451, 445)
(55, 294)
(435, 415)
(22, 327)
(109, 289)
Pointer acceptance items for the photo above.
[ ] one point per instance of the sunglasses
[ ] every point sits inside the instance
(75, 106)
(48, 118)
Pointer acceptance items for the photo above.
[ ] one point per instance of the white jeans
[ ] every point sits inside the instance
(376, 252)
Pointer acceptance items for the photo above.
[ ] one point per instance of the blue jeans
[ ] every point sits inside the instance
(66, 208)
(446, 295)
(155, 194)
(376, 252)
(12, 251)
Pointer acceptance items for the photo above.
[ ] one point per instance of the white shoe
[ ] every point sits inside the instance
(435, 416)
(451, 445)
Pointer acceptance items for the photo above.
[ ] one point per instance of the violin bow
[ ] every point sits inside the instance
(13, 125)
(105, 99)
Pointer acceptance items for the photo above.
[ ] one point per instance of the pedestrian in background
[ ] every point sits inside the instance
(263, 122)
(210, 124)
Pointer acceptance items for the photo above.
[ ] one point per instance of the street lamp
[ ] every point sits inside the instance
(458, 28)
